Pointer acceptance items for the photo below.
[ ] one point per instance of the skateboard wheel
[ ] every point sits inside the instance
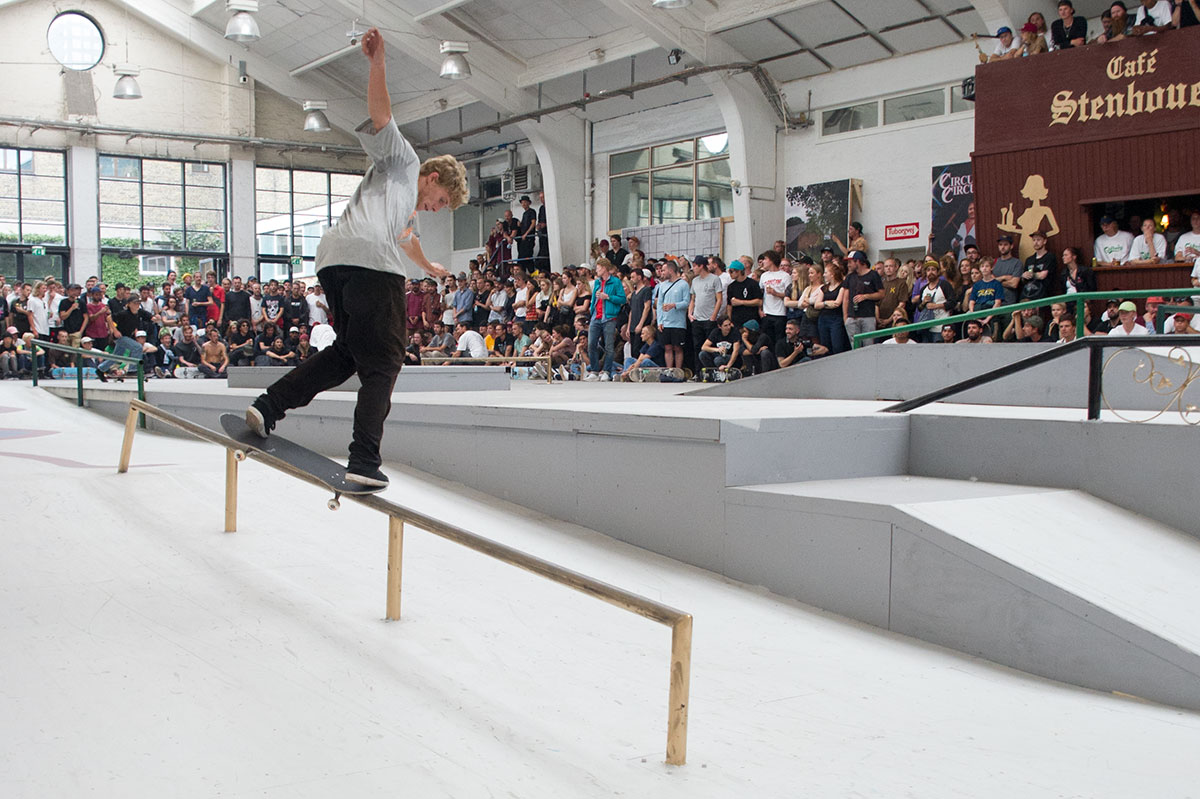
(239, 454)
(334, 504)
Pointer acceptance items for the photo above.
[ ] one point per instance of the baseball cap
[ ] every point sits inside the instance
(133, 298)
(826, 248)
(1156, 300)
(1029, 27)
(736, 265)
(85, 338)
(647, 273)
(74, 286)
(294, 330)
(13, 330)
(1126, 306)
(700, 260)
(859, 255)
(525, 199)
(1005, 237)
(750, 325)
(1187, 317)
(1106, 220)
(141, 333)
(1004, 30)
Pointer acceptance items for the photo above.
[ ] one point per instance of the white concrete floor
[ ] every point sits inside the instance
(143, 653)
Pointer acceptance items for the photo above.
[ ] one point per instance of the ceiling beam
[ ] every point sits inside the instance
(199, 6)
(578, 57)
(428, 105)
(742, 12)
(344, 114)
(493, 74)
(680, 28)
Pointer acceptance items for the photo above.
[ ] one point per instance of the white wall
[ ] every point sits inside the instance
(894, 162)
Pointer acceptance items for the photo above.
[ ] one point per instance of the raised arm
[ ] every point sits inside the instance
(379, 103)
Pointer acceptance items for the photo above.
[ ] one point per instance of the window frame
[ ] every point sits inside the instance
(19, 172)
(184, 185)
(653, 218)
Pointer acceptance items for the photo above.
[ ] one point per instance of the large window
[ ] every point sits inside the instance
(895, 110)
(33, 197)
(156, 204)
(292, 210)
(676, 182)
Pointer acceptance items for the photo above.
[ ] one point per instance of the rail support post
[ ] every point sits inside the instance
(131, 420)
(1095, 382)
(231, 488)
(677, 712)
(395, 564)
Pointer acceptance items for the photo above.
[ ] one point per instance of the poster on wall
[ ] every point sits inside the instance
(953, 221)
(814, 214)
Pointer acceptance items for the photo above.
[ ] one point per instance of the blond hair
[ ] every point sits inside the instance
(452, 176)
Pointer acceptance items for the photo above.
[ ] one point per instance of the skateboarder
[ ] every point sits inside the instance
(359, 267)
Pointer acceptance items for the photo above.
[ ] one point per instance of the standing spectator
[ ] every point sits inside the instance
(499, 305)
(641, 309)
(857, 242)
(618, 254)
(38, 312)
(1008, 270)
(543, 234)
(98, 314)
(257, 320)
(863, 289)
(986, 293)
(775, 284)
(272, 304)
(526, 232)
(521, 304)
(706, 305)
(72, 312)
(1153, 16)
(804, 299)
(935, 301)
(216, 305)
(896, 292)
(198, 299)
(295, 307)
(431, 304)
(1041, 270)
(237, 304)
(1076, 276)
(671, 312)
(831, 330)
(608, 295)
(745, 296)
(464, 302)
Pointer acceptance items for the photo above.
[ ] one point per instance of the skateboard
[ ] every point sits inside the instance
(709, 375)
(659, 374)
(292, 456)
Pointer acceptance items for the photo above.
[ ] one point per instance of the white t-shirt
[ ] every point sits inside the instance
(893, 340)
(41, 316)
(1113, 248)
(1002, 50)
(779, 280)
(52, 303)
(316, 316)
(1159, 14)
(472, 343)
(1119, 330)
(1187, 247)
(1140, 251)
(521, 311)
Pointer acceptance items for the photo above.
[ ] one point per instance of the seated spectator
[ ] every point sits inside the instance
(161, 362)
(1032, 42)
(470, 343)
(214, 357)
(1182, 325)
(58, 358)
(263, 344)
(756, 344)
(651, 355)
(1128, 324)
(1149, 248)
(187, 353)
(795, 348)
(1066, 330)
(1187, 14)
(1120, 24)
(279, 354)
(304, 348)
(440, 343)
(975, 334)
(1030, 328)
(412, 350)
(241, 344)
(948, 335)
(899, 319)
(722, 347)
(1112, 246)
(9, 367)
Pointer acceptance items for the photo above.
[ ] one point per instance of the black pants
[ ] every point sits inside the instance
(368, 310)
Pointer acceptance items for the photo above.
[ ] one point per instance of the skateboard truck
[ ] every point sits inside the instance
(335, 502)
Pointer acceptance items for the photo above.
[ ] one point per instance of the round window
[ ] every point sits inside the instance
(75, 40)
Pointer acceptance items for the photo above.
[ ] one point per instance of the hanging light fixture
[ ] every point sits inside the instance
(670, 4)
(315, 120)
(127, 86)
(242, 27)
(455, 67)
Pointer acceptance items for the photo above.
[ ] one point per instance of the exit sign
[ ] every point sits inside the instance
(297, 260)
(39, 250)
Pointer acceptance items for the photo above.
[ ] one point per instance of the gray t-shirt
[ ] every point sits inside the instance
(706, 289)
(383, 207)
(1012, 267)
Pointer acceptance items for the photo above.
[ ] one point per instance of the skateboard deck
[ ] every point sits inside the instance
(658, 374)
(709, 375)
(328, 472)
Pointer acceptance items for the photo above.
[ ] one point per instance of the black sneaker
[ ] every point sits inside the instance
(102, 375)
(367, 476)
(260, 419)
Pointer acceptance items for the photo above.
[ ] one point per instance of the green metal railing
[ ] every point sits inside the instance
(1076, 298)
(80, 354)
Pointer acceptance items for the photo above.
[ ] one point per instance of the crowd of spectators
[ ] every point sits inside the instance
(1118, 22)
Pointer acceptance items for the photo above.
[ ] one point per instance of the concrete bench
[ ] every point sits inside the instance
(412, 378)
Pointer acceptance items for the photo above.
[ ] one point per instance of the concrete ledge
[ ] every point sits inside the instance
(412, 378)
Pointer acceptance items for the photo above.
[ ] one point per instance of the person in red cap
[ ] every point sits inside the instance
(1148, 318)
(1182, 325)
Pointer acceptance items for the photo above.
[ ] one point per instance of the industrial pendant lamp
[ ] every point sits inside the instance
(670, 4)
(315, 120)
(241, 27)
(127, 87)
(455, 66)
